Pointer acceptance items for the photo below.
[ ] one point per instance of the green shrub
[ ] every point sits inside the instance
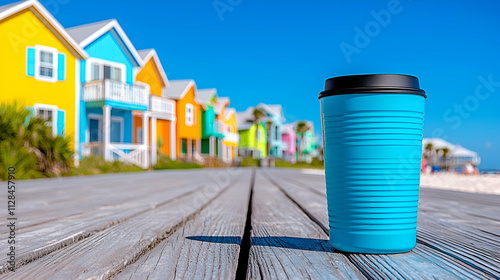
(28, 144)
(315, 163)
(249, 162)
(165, 162)
(97, 165)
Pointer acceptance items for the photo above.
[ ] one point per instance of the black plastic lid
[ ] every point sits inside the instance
(375, 83)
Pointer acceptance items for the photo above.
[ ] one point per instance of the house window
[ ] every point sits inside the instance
(258, 134)
(49, 114)
(46, 63)
(189, 114)
(95, 72)
(102, 69)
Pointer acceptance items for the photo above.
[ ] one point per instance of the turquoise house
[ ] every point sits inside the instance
(211, 128)
(274, 120)
(110, 97)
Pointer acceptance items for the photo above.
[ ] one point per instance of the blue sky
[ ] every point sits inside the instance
(282, 51)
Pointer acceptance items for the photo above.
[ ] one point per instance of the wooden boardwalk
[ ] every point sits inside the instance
(231, 224)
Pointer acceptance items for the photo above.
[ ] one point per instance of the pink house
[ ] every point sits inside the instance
(288, 140)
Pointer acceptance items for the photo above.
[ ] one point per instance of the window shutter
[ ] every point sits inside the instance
(60, 122)
(30, 62)
(32, 113)
(61, 67)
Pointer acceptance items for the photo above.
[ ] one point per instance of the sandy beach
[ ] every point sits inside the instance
(465, 183)
(489, 184)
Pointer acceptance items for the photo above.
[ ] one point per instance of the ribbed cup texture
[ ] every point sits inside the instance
(373, 149)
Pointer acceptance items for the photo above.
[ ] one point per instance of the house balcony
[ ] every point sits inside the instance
(116, 94)
(162, 105)
(136, 154)
(231, 137)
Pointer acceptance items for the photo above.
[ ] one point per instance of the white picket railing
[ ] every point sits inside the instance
(161, 105)
(116, 91)
(231, 137)
(132, 153)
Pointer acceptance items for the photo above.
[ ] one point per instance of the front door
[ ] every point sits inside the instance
(96, 129)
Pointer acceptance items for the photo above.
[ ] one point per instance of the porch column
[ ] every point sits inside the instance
(106, 127)
(189, 148)
(173, 143)
(211, 146)
(145, 140)
(198, 146)
(153, 140)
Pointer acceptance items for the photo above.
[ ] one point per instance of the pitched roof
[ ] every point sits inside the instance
(221, 103)
(229, 112)
(82, 32)
(205, 95)
(88, 33)
(148, 54)
(53, 25)
(178, 89)
(245, 119)
(8, 6)
(275, 110)
(145, 53)
(455, 150)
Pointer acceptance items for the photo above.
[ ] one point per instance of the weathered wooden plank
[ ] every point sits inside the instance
(206, 247)
(44, 238)
(437, 263)
(48, 200)
(287, 244)
(109, 251)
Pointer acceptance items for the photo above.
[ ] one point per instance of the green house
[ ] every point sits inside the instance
(211, 128)
(253, 142)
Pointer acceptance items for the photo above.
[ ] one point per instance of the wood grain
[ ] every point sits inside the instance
(438, 263)
(206, 247)
(286, 244)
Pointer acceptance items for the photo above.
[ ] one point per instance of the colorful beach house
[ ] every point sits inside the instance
(273, 120)
(161, 110)
(40, 66)
(307, 143)
(253, 139)
(227, 116)
(211, 127)
(109, 94)
(288, 142)
(188, 124)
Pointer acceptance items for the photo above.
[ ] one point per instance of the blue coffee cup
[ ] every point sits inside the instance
(372, 135)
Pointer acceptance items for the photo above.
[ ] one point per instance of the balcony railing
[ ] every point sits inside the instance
(161, 105)
(231, 137)
(131, 153)
(116, 91)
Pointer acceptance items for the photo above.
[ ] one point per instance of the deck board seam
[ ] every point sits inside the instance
(175, 228)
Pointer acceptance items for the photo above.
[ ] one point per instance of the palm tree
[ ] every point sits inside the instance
(302, 127)
(269, 123)
(445, 155)
(258, 114)
(28, 143)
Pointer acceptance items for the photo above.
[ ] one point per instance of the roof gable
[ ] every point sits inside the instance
(89, 33)
(47, 18)
(150, 54)
(179, 88)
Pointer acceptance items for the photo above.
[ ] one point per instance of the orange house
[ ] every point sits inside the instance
(161, 115)
(227, 116)
(188, 113)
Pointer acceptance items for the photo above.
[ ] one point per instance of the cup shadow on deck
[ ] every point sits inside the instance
(309, 244)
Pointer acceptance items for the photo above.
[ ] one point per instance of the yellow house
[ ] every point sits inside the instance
(40, 66)
(161, 110)
(227, 116)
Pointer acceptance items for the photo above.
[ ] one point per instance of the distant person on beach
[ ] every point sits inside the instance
(423, 165)
(469, 169)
